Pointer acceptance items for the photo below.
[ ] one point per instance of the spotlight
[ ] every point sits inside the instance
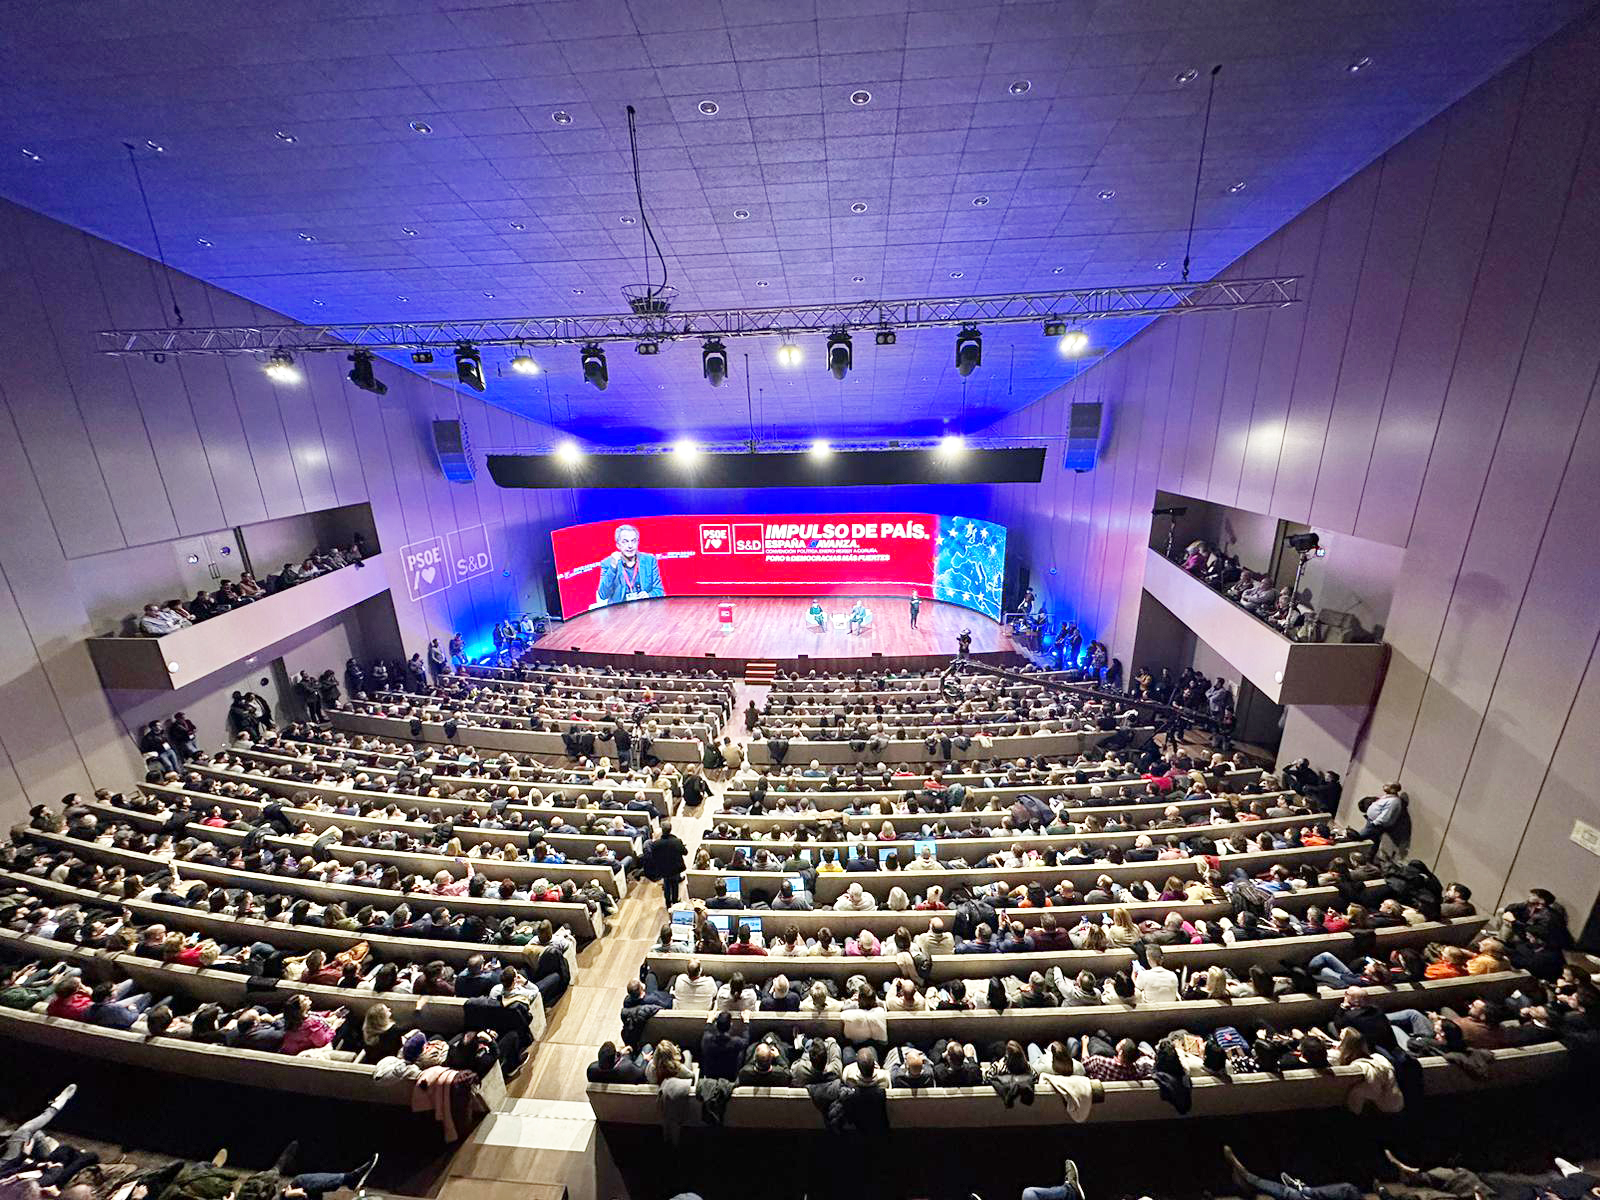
(969, 349)
(570, 453)
(884, 337)
(1074, 342)
(951, 445)
(840, 355)
(714, 361)
(594, 366)
(1302, 543)
(788, 355)
(820, 449)
(361, 374)
(280, 367)
(422, 356)
(1054, 328)
(523, 365)
(647, 348)
(686, 451)
(469, 366)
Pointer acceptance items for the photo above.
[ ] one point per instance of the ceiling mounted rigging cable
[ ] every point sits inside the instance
(1205, 133)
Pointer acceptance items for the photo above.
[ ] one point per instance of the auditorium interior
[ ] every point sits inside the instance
(711, 599)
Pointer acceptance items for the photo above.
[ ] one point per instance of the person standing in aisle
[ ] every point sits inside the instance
(665, 857)
(916, 607)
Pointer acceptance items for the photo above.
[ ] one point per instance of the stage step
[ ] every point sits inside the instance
(760, 672)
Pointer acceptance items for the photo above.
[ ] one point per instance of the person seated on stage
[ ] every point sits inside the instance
(858, 617)
(816, 616)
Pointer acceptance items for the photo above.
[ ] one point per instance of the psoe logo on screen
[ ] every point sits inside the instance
(747, 539)
(715, 539)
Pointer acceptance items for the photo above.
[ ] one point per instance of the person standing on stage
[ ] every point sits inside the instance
(627, 574)
(816, 616)
(964, 643)
(916, 607)
(858, 617)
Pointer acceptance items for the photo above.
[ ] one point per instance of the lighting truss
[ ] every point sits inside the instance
(1077, 305)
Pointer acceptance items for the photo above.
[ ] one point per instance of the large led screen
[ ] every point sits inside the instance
(956, 559)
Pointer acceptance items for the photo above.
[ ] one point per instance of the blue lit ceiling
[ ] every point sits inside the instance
(1004, 147)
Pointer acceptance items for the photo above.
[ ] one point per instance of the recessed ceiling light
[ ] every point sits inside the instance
(318, 303)
(285, 136)
(957, 274)
(861, 97)
(761, 283)
(421, 127)
(577, 291)
(628, 220)
(979, 201)
(408, 231)
(860, 206)
(1183, 77)
(1057, 270)
(561, 117)
(741, 214)
(488, 295)
(206, 242)
(858, 279)
(518, 226)
(1107, 193)
(30, 155)
(157, 147)
(308, 237)
(710, 108)
(1162, 265)
(1237, 188)
(403, 299)
(1020, 87)
(1360, 64)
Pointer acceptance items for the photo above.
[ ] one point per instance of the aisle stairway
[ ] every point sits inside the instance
(544, 1136)
(762, 673)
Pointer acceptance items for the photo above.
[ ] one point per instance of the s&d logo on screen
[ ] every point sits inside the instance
(715, 539)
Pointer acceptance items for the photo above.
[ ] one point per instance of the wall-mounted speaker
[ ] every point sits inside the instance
(454, 453)
(1083, 436)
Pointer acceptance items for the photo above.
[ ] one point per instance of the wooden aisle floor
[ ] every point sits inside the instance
(544, 1138)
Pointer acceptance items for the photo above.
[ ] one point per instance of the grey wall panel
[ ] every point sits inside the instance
(1406, 178)
(46, 413)
(1300, 242)
(1565, 794)
(129, 284)
(302, 424)
(327, 390)
(1539, 674)
(210, 390)
(1322, 343)
(71, 295)
(1206, 404)
(1471, 174)
(1492, 340)
(1239, 384)
(255, 397)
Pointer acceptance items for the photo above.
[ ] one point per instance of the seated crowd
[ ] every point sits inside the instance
(163, 618)
(1251, 590)
(35, 1165)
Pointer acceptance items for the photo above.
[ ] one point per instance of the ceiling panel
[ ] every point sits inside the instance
(1005, 147)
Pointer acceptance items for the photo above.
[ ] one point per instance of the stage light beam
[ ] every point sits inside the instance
(951, 447)
(820, 449)
(569, 453)
(789, 355)
(523, 364)
(686, 452)
(280, 367)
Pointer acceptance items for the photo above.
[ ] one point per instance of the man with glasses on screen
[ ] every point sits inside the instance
(627, 574)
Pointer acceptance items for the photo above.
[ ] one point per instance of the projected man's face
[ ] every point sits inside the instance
(628, 543)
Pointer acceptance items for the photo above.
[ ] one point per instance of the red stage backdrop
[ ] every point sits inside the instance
(783, 554)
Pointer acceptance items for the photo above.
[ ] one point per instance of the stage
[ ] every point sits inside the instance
(772, 629)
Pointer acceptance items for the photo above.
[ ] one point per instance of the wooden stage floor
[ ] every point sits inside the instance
(773, 629)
